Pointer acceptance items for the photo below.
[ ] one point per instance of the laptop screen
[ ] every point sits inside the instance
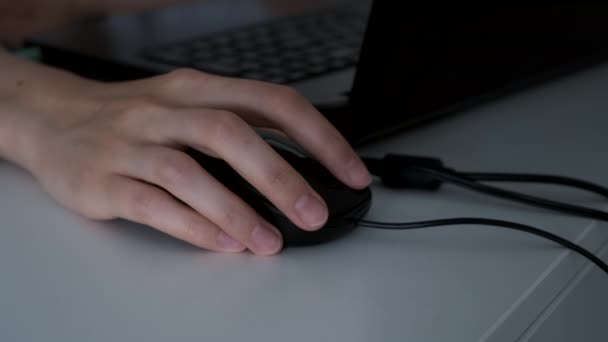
(422, 61)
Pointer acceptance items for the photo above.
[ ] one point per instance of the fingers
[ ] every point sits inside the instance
(181, 176)
(239, 145)
(264, 104)
(152, 206)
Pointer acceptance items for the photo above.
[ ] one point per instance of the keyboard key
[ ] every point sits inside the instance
(244, 46)
(225, 51)
(317, 69)
(255, 75)
(295, 43)
(219, 68)
(250, 55)
(272, 61)
(291, 55)
(338, 63)
(263, 41)
(316, 59)
(203, 55)
(342, 52)
(295, 76)
(251, 65)
(221, 40)
(170, 56)
(275, 72)
(277, 80)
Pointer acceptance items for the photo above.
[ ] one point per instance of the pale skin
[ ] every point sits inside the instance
(114, 150)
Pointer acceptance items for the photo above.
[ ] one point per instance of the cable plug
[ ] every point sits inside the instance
(405, 171)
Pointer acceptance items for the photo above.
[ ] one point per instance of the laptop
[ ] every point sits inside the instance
(373, 68)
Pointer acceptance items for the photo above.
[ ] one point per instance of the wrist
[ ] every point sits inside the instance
(15, 137)
(37, 123)
(33, 100)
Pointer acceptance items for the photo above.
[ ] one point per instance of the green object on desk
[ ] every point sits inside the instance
(32, 53)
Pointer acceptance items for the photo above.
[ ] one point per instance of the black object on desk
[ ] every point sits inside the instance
(411, 65)
(346, 206)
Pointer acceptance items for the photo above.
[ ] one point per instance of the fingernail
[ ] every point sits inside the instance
(265, 239)
(311, 211)
(228, 243)
(358, 174)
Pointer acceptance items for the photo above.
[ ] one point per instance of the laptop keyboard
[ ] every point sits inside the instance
(282, 51)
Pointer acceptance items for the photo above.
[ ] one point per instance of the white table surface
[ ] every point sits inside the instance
(64, 278)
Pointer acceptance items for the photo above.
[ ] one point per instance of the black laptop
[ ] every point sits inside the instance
(371, 68)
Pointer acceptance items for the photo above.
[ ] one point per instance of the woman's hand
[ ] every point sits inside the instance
(115, 151)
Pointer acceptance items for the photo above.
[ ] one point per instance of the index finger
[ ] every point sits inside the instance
(274, 106)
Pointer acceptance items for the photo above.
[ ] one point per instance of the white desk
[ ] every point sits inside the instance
(68, 279)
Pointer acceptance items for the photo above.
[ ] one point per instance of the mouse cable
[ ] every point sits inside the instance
(489, 222)
(454, 178)
(425, 173)
(536, 178)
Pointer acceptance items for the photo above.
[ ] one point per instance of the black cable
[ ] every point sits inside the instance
(491, 222)
(535, 178)
(428, 173)
(455, 178)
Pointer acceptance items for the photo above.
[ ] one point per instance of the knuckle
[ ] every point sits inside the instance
(83, 188)
(195, 232)
(279, 177)
(143, 204)
(229, 218)
(234, 218)
(226, 124)
(92, 208)
(106, 151)
(86, 175)
(181, 78)
(172, 170)
(341, 150)
(288, 99)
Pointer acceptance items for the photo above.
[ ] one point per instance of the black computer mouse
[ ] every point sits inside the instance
(345, 205)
